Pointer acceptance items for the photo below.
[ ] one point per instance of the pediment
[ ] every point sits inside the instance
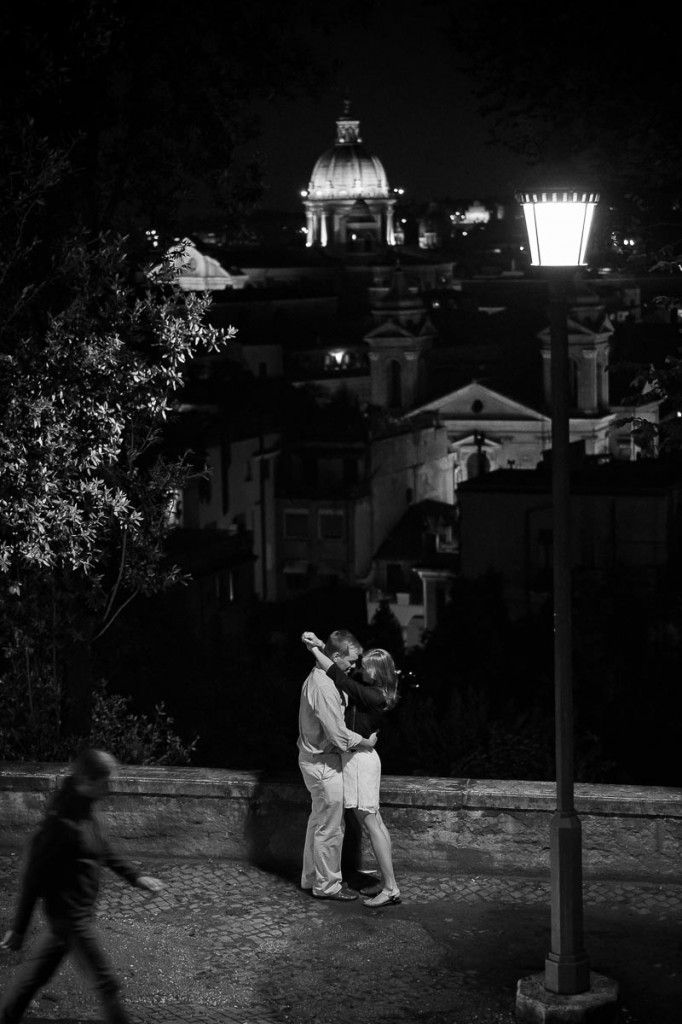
(578, 330)
(477, 401)
(389, 331)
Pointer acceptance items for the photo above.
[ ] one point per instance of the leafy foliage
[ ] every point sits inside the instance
(136, 738)
(29, 729)
(92, 363)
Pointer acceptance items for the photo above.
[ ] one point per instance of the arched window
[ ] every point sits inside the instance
(395, 391)
(477, 464)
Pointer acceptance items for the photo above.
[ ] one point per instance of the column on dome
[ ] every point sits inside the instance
(390, 234)
(310, 228)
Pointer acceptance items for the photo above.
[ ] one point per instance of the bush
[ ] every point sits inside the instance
(134, 738)
(131, 738)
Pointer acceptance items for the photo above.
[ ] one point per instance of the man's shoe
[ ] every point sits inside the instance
(341, 895)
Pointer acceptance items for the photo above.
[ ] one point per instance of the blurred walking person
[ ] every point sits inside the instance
(63, 868)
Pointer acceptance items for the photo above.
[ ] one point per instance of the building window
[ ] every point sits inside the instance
(296, 574)
(395, 395)
(309, 469)
(351, 473)
(395, 578)
(297, 524)
(545, 548)
(337, 360)
(331, 524)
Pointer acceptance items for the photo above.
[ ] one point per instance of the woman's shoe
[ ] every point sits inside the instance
(384, 899)
(372, 890)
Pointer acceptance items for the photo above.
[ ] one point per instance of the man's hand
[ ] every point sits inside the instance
(373, 738)
(11, 940)
(151, 884)
(310, 640)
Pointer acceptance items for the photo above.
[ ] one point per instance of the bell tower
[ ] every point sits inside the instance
(398, 344)
(589, 346)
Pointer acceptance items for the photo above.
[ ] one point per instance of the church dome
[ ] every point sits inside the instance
(348, 170)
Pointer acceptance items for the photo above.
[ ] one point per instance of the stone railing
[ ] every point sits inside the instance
(458, 825)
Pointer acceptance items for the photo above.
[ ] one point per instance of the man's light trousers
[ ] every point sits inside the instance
(324, 836)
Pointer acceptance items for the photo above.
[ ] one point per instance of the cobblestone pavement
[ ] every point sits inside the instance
(228, 943)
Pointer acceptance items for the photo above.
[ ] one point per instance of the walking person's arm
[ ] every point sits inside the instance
(125, 870)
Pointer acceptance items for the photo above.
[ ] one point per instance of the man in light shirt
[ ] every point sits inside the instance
(323, 735)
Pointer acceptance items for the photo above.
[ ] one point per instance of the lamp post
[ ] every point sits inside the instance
(558, 223)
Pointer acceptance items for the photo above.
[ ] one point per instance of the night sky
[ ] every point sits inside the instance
(416, 110)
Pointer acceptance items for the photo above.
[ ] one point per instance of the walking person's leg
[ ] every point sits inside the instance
(35, 970)
(97, 966)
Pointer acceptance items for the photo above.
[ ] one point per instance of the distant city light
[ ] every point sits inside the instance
(153, 237)
(304, 192)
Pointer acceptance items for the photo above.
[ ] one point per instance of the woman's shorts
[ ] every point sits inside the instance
(361, 779)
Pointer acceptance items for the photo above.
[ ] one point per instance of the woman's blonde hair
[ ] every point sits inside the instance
(380, 668)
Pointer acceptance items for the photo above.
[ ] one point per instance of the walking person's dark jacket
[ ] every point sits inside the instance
(64, 861)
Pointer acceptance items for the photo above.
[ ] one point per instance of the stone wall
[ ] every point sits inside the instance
(459, 825)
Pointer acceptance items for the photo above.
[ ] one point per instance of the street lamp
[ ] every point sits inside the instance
(558, 223)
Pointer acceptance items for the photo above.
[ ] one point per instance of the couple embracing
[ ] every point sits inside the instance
(338, 723)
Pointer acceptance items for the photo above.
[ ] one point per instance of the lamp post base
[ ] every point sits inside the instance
(537, 1005)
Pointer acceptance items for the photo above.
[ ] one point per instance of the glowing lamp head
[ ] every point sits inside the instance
(558, 223)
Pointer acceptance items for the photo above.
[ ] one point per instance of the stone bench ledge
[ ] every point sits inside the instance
(396, 790)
